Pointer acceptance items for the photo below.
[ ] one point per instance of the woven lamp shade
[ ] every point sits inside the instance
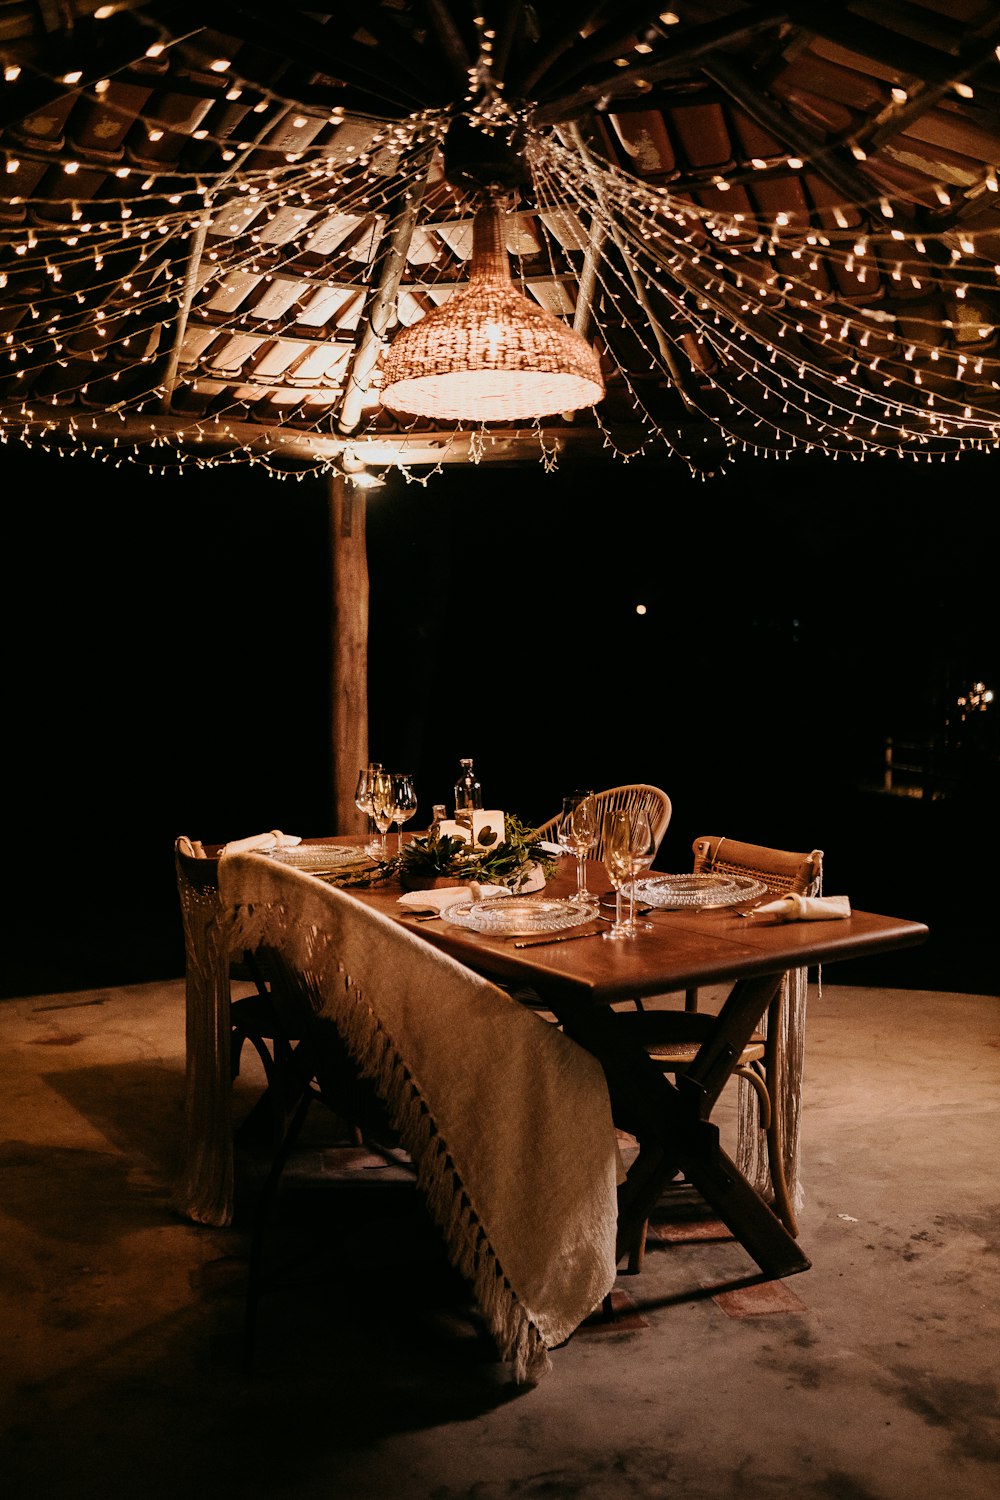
(488, 354)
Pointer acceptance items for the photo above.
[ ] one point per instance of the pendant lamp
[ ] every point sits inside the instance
(489, 354)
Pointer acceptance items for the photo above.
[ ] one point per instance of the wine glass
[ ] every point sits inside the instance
(618, 863)
(363, 800)
(583, 835)
(564, 827)
(641, 852)
(404, 802)
(383, 809)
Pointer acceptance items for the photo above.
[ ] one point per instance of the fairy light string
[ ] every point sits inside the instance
(778, 322)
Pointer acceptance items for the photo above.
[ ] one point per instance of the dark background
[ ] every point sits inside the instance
(167, 671)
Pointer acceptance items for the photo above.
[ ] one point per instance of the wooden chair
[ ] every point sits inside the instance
(672, 1037)
(639, 794)
(303, 1062)
(252, 1018)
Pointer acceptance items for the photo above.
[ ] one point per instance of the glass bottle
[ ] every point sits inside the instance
(468, 794)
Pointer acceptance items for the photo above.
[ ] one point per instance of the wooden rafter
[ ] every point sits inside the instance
(696, 44)
(562, 36)
(387, 270)
(312, 44)
(453, 48)
(828, 162)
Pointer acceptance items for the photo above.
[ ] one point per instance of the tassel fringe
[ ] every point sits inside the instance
(517, 1338)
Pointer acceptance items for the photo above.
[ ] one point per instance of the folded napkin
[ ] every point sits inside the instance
(551, 848)
(274, 839)
(440, 900)
(795, 908)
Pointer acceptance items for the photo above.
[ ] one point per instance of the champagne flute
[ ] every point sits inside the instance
(564, 827)
(383, 809)
(571, 835)
(618, 864)
(404, 802)
(363, 799)
(641, 852)
(583, 832)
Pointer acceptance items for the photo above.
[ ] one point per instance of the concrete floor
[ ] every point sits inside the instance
(872, 1376)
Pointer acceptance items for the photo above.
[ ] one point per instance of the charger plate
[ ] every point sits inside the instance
(676, 892)
(512, 916)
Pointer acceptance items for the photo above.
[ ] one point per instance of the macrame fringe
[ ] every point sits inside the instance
(517, 1338)
(204, 1191)
(751, 1153)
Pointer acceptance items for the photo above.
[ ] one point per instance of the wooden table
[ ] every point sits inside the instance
(579, 981)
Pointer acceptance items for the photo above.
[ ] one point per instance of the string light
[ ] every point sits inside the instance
(757, 335)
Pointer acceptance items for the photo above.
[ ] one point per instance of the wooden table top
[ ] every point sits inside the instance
(685, 948)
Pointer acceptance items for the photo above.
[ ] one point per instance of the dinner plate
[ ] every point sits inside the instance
(317, 856)
(674, 892)
(510, 916)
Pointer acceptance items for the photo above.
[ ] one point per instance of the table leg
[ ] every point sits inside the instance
(671, 1122)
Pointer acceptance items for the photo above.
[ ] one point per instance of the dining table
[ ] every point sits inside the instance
(581, 981)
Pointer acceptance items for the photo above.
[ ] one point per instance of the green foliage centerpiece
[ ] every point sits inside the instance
(441, 860)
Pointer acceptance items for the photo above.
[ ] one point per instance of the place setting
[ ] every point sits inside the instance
(485, 872)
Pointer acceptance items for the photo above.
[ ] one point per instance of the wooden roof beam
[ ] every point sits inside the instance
(102, 50)
(692, 46)
(825, 158)
(387, 270)
(920, 99)
(331, 46)
(678, 373)
(296, 38)
(563, 36)
(506, 29)
(415, 449)
(456, 53)
(891, 49)
(193, 267)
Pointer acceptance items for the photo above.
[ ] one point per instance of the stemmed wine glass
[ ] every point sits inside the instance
(404, 802)
(577, 833)
(383, 809)
(618, 863)
(363, 800)
(641, 852)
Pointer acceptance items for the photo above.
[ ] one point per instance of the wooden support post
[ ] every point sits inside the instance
(349, 650)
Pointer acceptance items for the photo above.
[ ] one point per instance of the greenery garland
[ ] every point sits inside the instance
(443, 857)
(446, 857)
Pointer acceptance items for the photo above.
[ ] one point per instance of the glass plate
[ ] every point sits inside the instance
(673, 892)
(511, 916)
(317, 856)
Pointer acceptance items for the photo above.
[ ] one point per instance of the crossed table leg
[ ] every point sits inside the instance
(672, 1124)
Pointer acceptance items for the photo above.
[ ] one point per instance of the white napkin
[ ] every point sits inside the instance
(795, 908)
(274, 839)
(551, 848)
(440, 900)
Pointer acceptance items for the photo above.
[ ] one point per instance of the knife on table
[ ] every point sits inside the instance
(562, 937)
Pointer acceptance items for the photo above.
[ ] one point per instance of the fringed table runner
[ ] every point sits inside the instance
(506, 1120)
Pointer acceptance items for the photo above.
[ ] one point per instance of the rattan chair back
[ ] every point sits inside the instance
(781, 870)
(637, 794)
